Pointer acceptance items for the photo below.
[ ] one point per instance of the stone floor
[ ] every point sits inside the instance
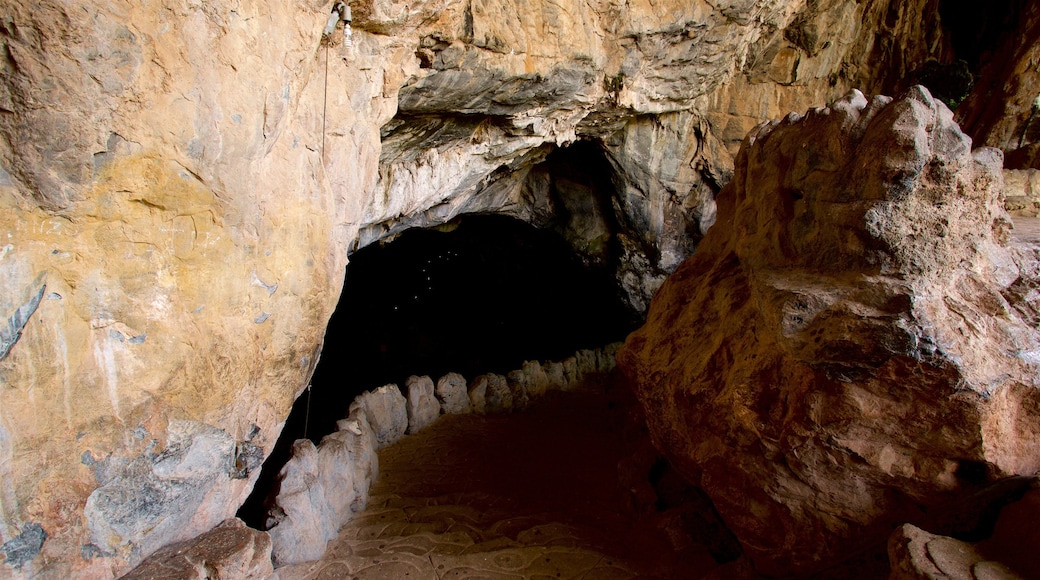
(1027, 230)
(532, 494)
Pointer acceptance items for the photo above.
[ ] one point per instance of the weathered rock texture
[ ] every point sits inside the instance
(1022, 189)
(230, 551)
(320, 487)
(917, 555)
(387, 413)
(1009, 551)
(840, 355)
(181, 184)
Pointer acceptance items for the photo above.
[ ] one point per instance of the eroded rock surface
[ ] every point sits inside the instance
(839, 355)
(423, 406)
(230, 551)
(181, 185)
(387, 413)
(320, 487)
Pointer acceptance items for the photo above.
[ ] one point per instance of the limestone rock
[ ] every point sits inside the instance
(477, 393)
(453, 394)
(915, 554)
(570, 372)
(586, 361)
(517, 382)
(230, 551)
(386, 411)
(160, 175)
(320, 487)
(423, 406)
(607, 357)
(1022, 191)
(536, 383)
(164, 169)
(299, 525)
(499, 397)
(838, 356)
(152, 500)
(555, 375)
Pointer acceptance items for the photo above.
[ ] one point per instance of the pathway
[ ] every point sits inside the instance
(533, 494)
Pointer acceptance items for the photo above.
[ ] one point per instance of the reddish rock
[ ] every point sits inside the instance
(230, 551)
(839, 355)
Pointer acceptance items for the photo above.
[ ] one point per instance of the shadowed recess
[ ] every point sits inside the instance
(482, 294)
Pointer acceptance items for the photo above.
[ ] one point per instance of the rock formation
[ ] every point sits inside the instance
(843, 351)
(320, 488)
(1022, 188)
(230, 551)
(1009, 551)
(181, 186)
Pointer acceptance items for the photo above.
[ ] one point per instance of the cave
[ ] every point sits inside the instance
(847, 356)
(480, 294)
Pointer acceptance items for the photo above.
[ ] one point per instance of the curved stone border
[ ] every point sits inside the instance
(322, 486)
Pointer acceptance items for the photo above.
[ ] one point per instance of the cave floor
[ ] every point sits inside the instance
(532, 494)
(1027, 230)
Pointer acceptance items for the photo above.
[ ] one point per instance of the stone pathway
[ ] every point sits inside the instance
(1027, 230)
(532, 494)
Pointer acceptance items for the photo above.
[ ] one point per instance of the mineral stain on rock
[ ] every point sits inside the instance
(12, 330)
(25, 546)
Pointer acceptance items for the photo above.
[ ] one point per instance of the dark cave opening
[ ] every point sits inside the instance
(481, 294)
(976, 29)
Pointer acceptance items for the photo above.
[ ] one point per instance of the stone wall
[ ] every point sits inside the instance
(321, 486)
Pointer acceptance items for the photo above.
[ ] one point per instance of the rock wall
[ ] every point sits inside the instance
(182, 184)
(1003, 109)
(846, 350)
(183, 181)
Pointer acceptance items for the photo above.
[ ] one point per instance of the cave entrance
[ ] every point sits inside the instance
(481, 294)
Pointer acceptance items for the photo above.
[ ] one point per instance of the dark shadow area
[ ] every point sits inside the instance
(976, 29)
(483, 294)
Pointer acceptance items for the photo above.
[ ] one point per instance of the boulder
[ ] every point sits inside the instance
(570, 372)
(477, 393)
(499, 397)
(453, 394)
(915, 554)
(230, 551)
(839, 355)
(299, 524)
(586, 361)
(534, 378)
(386, 411)
(517, 382)
(320, 488)
(423, 407)
(555, 375)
